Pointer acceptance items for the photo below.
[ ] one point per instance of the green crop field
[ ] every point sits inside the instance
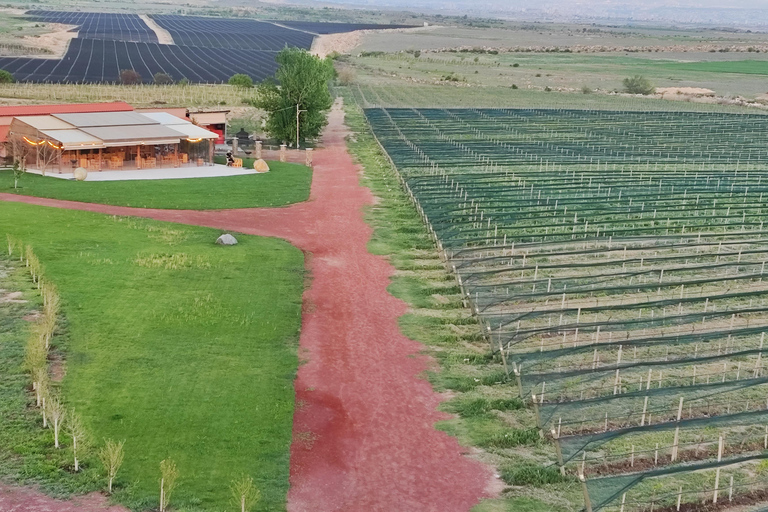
(746, 67)
(183, 348)
(285, 184)
(615, 260)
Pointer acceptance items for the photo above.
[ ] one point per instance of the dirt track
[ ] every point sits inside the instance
(364, 438)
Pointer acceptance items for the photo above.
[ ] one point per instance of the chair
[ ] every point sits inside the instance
(184, 158)
(238, 162)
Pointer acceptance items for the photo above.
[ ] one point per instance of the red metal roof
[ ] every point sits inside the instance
(73, 108)
(8, 113)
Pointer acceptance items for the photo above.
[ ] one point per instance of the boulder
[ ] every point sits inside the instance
(80, 174)
(226, 239)
(260, 166)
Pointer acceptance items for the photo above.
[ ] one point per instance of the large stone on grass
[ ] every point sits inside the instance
(260, 166)
(80, 174)
(226, 239)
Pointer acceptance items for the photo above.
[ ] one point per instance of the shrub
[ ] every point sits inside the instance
(129, 77)
(514, 86)
(512, 438)
(638, 85)
(482, 406)
(346, 76)
(515, 65)
(183, 81)
(586, 90)
(6, 77)
(531, 474)
(241, 80)
(162, 79)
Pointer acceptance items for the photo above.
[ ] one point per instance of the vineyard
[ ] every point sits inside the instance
(616, 262)
(205, 50)
(100, 25)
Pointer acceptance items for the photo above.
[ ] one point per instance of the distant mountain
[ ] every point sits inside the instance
(735, 13)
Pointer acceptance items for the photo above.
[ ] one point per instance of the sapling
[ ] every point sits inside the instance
(56, 414)
(245, 495)
(79, 436)
(168, 476)
(18, 170)
(111, 456)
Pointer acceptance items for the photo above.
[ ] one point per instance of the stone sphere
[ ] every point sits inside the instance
(80, 174)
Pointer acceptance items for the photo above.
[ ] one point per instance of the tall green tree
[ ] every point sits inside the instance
(302, 79)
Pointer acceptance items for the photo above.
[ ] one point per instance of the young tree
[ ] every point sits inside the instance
(162, 79)
(56, 414)
(79, 435)
(6, 77)
(303, 87)
(241, 80)
(168, 476)
(638, 85)
(47, 155)
(129, 77)
(20, 150)
(111, 456)
(245, 495)
(18, 172)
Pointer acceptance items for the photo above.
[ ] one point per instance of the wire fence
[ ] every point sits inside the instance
(615, 260)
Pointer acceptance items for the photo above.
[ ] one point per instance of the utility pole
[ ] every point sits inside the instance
(297, 124)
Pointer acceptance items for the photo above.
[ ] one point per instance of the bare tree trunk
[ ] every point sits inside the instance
(74, 453)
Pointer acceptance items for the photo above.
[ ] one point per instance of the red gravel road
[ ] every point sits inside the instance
(364, 436)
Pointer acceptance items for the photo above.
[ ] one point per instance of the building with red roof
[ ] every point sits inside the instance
(9, 112)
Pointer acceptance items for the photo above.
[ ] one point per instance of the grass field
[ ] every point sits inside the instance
(183, 348)
(285, 184)
(566, 71)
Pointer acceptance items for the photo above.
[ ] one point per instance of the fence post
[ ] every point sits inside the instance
(538, 417)
(559, 451)
(587, 502)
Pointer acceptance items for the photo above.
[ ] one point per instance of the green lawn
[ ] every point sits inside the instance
(285, 184)
(183, 348)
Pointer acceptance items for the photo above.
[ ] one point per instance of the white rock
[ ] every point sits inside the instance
(80, 174)
(226, 239)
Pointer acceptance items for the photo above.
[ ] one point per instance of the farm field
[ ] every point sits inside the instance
(101, 60)
(142, 95)
(571, 72)
(100, 25)
(393, 94)
(205, 49)
(168, 348)
(615, 260)
(236, 34)
(285, 184)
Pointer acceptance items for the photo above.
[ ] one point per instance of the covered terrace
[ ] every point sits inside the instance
(59, 143)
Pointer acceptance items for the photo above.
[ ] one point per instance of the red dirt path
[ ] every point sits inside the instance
(364, 436)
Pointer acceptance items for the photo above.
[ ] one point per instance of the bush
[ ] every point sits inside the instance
(515, 65)
(183, 81)
(482, 406)
(6, 77)
(346, 76)
(241, 80)
(586, 90)
(532, 474)
(638, 85)
(129, 77)
(162, 79)
(512, 438)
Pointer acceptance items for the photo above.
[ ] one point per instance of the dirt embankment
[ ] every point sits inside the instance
(163, 36)
(56, 41)
(327, 44)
